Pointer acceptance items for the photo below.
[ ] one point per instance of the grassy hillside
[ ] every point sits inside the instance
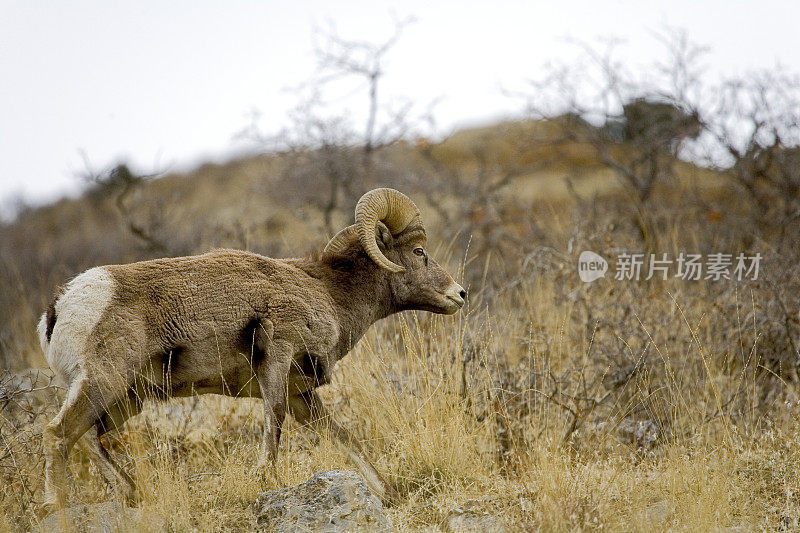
(551, 403)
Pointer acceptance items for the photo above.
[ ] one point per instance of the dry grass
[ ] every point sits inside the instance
(523, 403)
(430, 422)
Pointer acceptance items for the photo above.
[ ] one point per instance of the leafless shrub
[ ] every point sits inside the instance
(145, 221)
(27, 400)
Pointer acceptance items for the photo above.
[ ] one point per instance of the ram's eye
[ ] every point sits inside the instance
(419, 251)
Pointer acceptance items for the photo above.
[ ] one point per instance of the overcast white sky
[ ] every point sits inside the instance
(166, 85)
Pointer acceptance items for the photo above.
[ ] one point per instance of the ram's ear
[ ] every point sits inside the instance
(383, 236)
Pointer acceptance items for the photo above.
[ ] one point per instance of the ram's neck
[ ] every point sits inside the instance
(361, 296)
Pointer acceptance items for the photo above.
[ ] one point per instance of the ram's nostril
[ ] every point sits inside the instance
(462, 293)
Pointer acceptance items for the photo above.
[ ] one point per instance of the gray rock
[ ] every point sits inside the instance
(107, 517)
(469, 518)
(329, 502)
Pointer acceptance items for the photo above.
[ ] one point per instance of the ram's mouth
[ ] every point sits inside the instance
(454, 302)
(458, 300)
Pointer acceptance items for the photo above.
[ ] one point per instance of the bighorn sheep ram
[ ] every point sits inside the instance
(234, 323)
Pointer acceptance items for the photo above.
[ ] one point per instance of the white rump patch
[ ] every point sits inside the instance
(78, 311)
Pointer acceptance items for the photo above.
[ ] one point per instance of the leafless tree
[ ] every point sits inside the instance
(755, 128)
(324, 145)
(339, 58)
(121, 183)
(635, 126)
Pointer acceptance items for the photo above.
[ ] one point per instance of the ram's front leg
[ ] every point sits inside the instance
(272, 373)
(307, 408)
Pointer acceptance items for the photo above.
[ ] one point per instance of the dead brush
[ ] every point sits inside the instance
(27, 400)
(558, 405)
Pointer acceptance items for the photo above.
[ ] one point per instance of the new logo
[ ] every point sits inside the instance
(591, 266)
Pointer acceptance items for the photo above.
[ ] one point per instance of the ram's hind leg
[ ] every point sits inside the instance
(114, 475)
(113, 418)
(80, 411)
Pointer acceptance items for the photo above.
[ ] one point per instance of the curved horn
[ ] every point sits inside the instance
(340, 241)
(394, 209)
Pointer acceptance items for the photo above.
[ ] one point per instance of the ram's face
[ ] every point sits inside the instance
(424, 284)
(389, 229)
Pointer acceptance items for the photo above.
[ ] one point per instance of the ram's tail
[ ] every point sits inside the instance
(45, 327)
